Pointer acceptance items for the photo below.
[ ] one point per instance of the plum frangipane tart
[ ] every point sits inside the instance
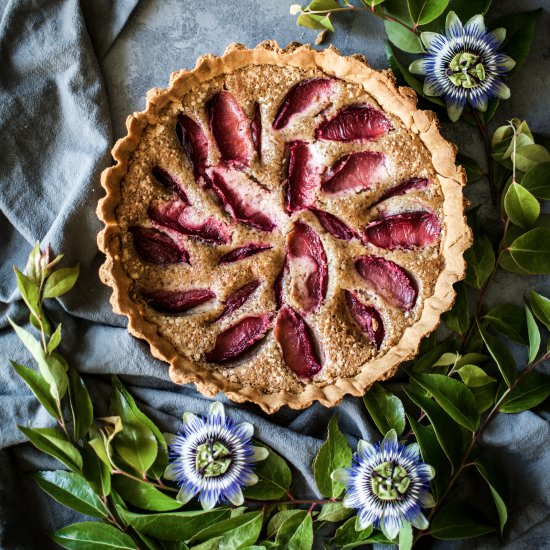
(282, 225)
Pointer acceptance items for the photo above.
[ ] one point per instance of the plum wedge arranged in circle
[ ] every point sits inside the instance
(283, 225)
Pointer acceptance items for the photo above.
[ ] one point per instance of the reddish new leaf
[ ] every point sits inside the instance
(157, 247)
(367, 317)
(177, 301)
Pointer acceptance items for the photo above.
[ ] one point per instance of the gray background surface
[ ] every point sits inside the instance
(70, 72)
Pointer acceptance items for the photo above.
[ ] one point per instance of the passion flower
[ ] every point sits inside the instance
(464, 65)
(213, 457)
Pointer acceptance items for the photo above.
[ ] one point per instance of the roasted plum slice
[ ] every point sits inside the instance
(238, 298)
(157, 247)
(308, 264)
(303, 98)
(297, 345)
(405, 230)
(355, 172)
(361, 122)
(194, 143)
(239, 338)
(245, 251)
(279, 282)
(367, 318)
(388, 280)
(408, 185)
(230, 129)
(334, 225)
(170, 182)
(180, 217)
(177, 301)
(303, 177)
(256, 128)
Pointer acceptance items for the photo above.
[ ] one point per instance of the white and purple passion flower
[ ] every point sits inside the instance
(464, 65)
(388, 485)
(213, 458)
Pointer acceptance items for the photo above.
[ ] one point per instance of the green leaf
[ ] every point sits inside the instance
(334, 511)
(90, 535)
(522, 207)
(161, 461)
(474, 377)
(531, 251)
(29, 291)
(334, 453)
(473, 170)
(38, 385)
(136, 444)
(465, 9)
(541, 308)
(96, 472)
(485, 396)
(432, 454)
(296, 533)
(471, 359)
(235, 532)
(447, 359)
(509, 319)
(480, 260)
(529, 156)
(32, 268)
(278, 519)
(501, 355)
(529, 392)
(73, 491)
(537, 180)
(493, 479)
(143, 495)
(458, 521)
(403, 38)
(55, 443)
(452, 437)
(534, 335)
(520, 30)
(174, 526)
(424, 11)
(274, 477)
(51, 368)
(61, 281)
(346, 534)
(458, 319)
(453, 397)
(55, 339)
(81, 405)
(405, 536)
(385, 409)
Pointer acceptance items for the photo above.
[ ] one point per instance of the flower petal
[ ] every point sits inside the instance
(341, 475)
(170, 438)
(498, 35)
(390, 439)
(189, 419)
(236, 497)
(427, 500)
(364, 447)
(431, 87)
(501, 90)
(186, 493)
(216, 409)
(418, 66)
(252, 479)
(347, 501)
(475, 21)
(452, 21)
(419, 521)
(507, 62)
(413, 451)
(430, 471)
(209, 499)
(361, 523)
(429, 38)
(247, 429)
(170, 472)
(482, 105)
(390, 526)
(260, 453)
(454, 111)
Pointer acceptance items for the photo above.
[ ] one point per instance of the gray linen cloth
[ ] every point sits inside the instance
(70, 72)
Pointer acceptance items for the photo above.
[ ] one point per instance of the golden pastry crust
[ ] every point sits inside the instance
(437, 296)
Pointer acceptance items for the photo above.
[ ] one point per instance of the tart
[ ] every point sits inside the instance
(283, 225)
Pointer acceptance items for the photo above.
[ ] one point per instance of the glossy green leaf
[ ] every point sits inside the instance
(494, 480)
(346, 534)
(458, 521)
(471, 359)
(143, 495)
(529, 392)
(458, 319)
(55, 339)
(520, 31)
(334, 453)
(73, 491)
(501, 355)
(534, 335)
(334, 511)
(93, 536)
(274, 477)
(136, 444)
(403, 38)
(296, 533)
(537, 180)
(465, 9)
(161, 461)
(529, 156)
(38, 385)
(424, 11)
(541, 308)
(474, 172)
(29, 291)
(509, 319)
(531, 251)
(522, 207)
(61, 281)
(278, 519)
(54, 442)
(452, 396)
(32, 269)
(385, 409)
(175, 526)
(485, 396)
(235, 532)
(96, 472)
(81, 405)
(452, 437)
(51, 368)
(447, 359)
(474, 376)
(480, 259)
(317, 21)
